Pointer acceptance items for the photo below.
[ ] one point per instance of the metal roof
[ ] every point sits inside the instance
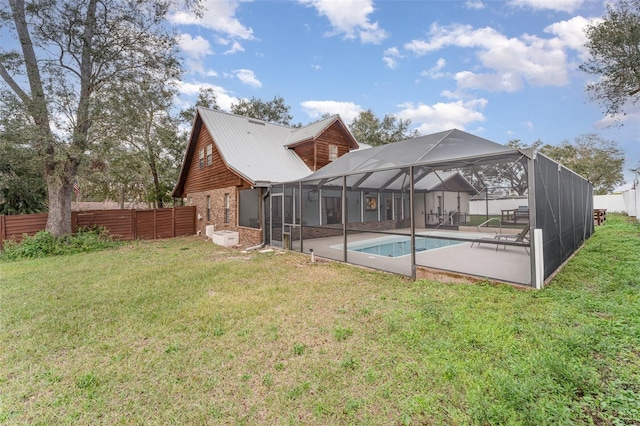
(311, 131)
(255, 149)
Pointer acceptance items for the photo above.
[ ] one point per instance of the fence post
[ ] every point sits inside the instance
(173, 221)
(155, 224)
(74, 222)
(3, 231)
(134, 231)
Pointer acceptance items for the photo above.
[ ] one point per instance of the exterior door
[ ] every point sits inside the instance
(397, 212)
(275, 213)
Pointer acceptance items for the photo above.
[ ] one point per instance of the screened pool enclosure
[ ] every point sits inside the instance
(405, 208)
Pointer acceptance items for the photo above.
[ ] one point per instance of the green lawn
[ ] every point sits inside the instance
(181, 331)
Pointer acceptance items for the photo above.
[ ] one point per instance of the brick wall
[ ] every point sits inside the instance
(248, 236)
(336, 230)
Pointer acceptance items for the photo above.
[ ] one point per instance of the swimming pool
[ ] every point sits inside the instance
(398, 246)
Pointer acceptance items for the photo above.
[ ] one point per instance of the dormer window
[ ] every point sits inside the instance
(333, 152)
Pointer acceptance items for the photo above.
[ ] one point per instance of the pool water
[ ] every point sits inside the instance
(399, 246)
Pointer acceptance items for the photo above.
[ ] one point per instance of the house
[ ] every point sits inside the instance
(442, 199)
(315, 190)
(231, 161)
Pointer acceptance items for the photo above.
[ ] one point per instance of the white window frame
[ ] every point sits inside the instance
(333, 152)
(209, 155)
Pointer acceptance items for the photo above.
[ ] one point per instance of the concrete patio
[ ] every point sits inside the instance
(508, 263)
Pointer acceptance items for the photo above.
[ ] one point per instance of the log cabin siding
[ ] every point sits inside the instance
(218, 175)
(315, 153)
(306, 152)
(334, 135)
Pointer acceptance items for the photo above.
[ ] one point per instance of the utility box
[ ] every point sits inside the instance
(225, 238)
(209, 230)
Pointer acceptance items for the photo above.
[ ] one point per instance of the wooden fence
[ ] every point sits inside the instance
(122, 224)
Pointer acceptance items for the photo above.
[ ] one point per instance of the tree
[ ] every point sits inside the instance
(614, 49)
(206, 98)
(596, 159)
(141, 117)
(141, 145)
(22, 185)
(369, 129)
(512, 176)
(71, 52)
(274, 111)
(114, 172)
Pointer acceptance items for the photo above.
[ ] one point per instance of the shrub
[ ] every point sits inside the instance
(44, 244)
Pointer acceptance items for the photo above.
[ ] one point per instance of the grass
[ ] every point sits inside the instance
(181, 331)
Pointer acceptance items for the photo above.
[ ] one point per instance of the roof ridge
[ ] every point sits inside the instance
(248, 117)
(300, 130)
(446, 135)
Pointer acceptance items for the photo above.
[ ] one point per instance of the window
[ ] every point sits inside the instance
(333, 152)
(208, 208)
(209, 154)
(249, 208)
(202, 158)
(227, 203)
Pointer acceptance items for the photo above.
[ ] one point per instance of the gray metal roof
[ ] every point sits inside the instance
(448, 149)
(311, 131)
(255, 149)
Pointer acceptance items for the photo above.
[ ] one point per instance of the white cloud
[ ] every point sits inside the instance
(435, 71)
(351, 18)
(443, 116)
(218, 15)
(631, 117)
(195, 66)
(235, 48)
(571, 33)
(191, 90)
(390, 62)
(509, 62)
(195, 47)
(390, 57)
(347, 110)
(505, 82)
(248, 77)
(528, 125)
(474, 4)
(558, 5)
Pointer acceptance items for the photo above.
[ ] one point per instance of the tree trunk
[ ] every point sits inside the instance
(156, 186)
(59, 219)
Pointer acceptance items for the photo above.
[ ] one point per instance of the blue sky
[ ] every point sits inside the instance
(499, 69)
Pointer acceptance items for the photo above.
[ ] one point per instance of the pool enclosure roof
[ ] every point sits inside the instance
(444, 150)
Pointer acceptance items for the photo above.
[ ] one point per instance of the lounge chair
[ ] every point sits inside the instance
(521, 237)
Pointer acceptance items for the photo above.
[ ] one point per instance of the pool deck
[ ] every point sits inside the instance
(509, 264)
